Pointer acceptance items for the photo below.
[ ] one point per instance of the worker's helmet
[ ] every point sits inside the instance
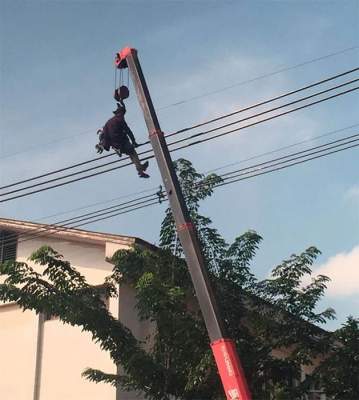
(121, 93)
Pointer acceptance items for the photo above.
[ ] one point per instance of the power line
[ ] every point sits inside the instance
(38, 232)
(118, 209)
(107, 210)
(54, 227)
(178, 141)
(64, 228)
(185, 139)
(266, 111)
(66, 176)
(183, 146)
(289, 165)
(205, 95)
(125, 212)
(223, 176)
(231, 177)
(178, 132)
(282, 148)
(257, 78)
(292, 157)
(269, 118)
(98, 203)
(60, 170)
(250, 176)
(262, 103)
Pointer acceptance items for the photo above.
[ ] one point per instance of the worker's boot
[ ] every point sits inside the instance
(142, 173)
(141, 168)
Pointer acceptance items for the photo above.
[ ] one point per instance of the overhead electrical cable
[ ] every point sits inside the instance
(88, 216)
(114, 215)
(314, 138)
(262, 103)
(178, 141)
(70, 181)
(249, 175)
(282, 148)
(107, 210)
(60, 170)
(266, 111)
(181, 147)
(292, 157)
(257, 78)
(265, 120)
(33, 233)
(333, 54)
(237, 180)
(289, 165)
(97, 203)
(272, 165)
(50, 231)
(185, 129)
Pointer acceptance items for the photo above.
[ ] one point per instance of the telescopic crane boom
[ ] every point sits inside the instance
(224, 350)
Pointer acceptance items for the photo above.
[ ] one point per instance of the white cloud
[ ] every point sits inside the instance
(343, 270)
(352, 193)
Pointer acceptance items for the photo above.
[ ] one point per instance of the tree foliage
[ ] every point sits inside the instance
(339, 373)
(262, 316)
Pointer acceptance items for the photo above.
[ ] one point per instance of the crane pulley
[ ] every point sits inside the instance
(121, 90)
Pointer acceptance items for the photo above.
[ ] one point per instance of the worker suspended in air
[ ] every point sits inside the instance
(118, 135)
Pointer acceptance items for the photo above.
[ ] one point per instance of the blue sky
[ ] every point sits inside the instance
(56, 85)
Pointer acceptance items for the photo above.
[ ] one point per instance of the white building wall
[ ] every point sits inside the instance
(66, 350)
(89, 259)
(18, 331)
(66, 353)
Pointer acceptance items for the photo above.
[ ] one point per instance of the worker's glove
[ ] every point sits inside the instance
(99, 148)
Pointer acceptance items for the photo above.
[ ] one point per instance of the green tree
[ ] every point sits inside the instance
(338, 375)
(262, 316)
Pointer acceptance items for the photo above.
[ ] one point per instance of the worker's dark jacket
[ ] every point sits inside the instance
(115, 133)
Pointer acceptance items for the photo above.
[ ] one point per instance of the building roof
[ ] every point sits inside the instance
(35, 230)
